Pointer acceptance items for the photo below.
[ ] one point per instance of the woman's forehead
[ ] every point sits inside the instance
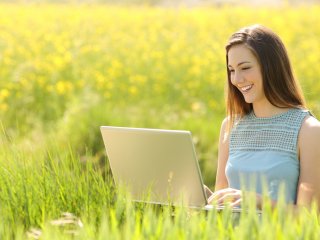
(240, 54)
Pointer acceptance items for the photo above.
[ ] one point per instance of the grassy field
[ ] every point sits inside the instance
(67, 69)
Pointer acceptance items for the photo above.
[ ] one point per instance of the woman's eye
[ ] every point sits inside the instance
(231, 70)
(246, 68)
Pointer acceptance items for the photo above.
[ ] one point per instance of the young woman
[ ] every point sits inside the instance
(269, 141)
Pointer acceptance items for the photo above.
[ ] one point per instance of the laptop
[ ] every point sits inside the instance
(155, 165)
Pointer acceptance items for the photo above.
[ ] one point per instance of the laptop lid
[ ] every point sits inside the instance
(155, 165)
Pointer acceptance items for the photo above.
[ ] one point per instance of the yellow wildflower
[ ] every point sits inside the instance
(4, 93)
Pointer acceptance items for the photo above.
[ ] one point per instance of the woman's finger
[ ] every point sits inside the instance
(220, 194)
(236, 203)
(228, 197)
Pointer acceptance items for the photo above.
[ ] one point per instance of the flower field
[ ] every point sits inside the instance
(65, 70)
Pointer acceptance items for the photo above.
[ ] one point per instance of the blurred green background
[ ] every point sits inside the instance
(67, 69)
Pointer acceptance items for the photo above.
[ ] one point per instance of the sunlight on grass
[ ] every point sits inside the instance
(68, 69)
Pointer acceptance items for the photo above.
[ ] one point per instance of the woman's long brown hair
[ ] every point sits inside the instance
(279, 85)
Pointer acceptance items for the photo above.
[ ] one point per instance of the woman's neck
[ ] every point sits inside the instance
(266, 109)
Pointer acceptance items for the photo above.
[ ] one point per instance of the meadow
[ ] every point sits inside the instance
(68, 69)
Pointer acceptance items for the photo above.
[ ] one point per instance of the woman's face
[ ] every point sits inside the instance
(245, 73)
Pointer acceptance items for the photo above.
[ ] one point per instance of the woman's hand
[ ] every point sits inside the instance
(232, 197)
(226, 196)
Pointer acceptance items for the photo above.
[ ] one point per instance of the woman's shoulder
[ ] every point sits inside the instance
(309, 135)
(225, 122)
(311, 126)
(225, 129)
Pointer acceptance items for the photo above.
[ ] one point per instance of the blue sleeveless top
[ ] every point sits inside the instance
(263, 154)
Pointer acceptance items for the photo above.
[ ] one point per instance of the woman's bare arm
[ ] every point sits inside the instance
(223, 154)
(309, 151)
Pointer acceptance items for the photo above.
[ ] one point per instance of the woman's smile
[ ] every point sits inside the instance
(246, 88)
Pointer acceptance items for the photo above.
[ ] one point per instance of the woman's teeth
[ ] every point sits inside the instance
(246, 88)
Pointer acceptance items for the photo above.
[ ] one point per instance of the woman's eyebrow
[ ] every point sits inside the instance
(240, 63)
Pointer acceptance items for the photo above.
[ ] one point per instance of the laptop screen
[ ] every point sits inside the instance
(155, 165)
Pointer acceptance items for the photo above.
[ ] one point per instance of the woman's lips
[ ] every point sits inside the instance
(246, 88)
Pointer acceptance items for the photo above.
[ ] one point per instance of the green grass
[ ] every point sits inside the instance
(68, 69)
(38, 186)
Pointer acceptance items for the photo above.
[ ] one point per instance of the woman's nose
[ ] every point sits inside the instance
(238, 78)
